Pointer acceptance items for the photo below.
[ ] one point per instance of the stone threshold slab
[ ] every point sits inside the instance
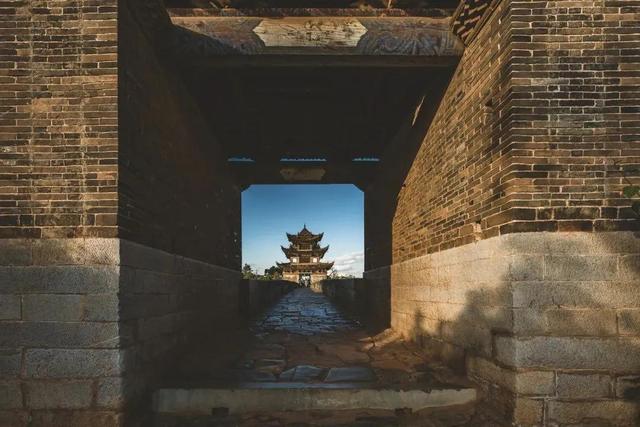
(244, 400)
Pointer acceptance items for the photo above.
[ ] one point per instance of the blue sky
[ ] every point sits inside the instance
(270, 211)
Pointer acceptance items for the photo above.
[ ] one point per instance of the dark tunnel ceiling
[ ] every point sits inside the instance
(258, 4)
(334, 113)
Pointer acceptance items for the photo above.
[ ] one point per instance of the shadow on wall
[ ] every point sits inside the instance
(547, 323)
(365, 299)
(168, 305)
(381, 197)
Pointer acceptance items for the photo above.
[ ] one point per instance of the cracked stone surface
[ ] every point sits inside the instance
(304, 341)
(304, 338)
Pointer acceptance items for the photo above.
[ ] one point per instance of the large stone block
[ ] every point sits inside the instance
(10, 362)
(591, 322)
(535, 383)
(586, 294)
(14, 418)
(577, 386)
(629, 321)
(71, 418)
(571, 243)
(614, 354)
(60, 335)
(581, 267)
(616, 412)
(66, 363)
(111, 392)
(529, 321)
(60, 279)
(142, 257)
(48, 307)
(102, 307)
(628, 387)
(629, 266)
(15, 252)
(58, 394)
(10, 307)
(523, 267)
(528, 411)
(88, 251)
(10, 395)
(115, 392)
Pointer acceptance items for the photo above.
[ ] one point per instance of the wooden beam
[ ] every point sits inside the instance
(220, 39)
(301, 10)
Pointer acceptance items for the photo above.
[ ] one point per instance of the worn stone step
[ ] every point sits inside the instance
(289, 397)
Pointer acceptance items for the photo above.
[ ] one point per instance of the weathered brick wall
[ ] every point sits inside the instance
(176, 193)
(58, 118)
(541, 106)
(574, 70)
(454, 181)
(90, 325)
(530, 137)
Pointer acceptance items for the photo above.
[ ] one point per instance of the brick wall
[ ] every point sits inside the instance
(530, 137)
(176, 192)
(59, 130)
(58, 118)
(91, 324)
(542, 106)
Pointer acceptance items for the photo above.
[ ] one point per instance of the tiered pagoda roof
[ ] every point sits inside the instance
(314, 252)
(304, 246)
(304, 236)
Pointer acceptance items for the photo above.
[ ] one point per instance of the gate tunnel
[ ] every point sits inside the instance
(495, 142)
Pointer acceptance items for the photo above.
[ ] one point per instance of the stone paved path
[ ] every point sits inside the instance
(304, 312)
(304, 340)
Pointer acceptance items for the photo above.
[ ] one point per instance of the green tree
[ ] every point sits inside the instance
(247, 272)
(273, 273)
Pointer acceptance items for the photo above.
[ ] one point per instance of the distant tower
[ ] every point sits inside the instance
(305, 253)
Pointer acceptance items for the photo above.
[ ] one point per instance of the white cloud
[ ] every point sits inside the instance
(350, 264)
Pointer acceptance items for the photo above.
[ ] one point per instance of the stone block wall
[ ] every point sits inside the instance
(257, 295)
(89, 326)
(58, 118)
(60, 337)
(168, 304)
(366, 299)
(547, 323)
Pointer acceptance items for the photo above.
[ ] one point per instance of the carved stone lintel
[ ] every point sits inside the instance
(310, 32)
(202, 37)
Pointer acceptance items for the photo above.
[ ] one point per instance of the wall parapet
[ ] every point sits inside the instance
(258, 295)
